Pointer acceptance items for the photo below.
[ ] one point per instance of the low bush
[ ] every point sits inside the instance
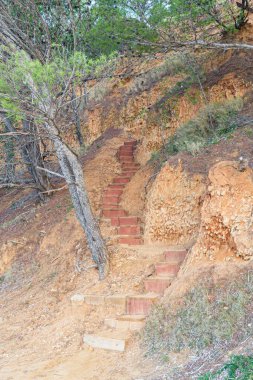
(208, 316)
(238, 368)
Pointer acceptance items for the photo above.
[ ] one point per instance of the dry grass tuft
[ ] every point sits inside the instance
(214, 122)
(209, 316)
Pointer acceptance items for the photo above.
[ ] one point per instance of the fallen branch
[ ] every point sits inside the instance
(198, 43)
(15, 133)
(80, 269)
(50, 172)
(52, 190)
(16, 242)
(11, 185)
(215, 45)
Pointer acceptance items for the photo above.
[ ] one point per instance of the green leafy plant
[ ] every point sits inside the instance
(238, 368)
(2, 278)
(193, 96)
(69, 208)
(249, 132)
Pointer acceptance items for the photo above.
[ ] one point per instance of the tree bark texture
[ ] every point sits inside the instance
(73, 173)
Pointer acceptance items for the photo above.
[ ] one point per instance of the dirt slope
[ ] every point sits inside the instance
(39, 328)
(42, 247)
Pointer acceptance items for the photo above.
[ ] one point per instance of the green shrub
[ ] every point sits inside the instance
(208, 316)
(213, 122)
(2, 278)
(238, 368)
(249, 132)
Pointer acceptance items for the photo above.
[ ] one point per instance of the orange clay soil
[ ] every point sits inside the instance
(41, 332)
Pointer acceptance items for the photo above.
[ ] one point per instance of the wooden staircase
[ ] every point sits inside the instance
(133, 308)
(128, 227)
(137, 307)
(156, 285)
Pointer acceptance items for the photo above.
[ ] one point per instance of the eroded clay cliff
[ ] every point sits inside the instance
(216, 211)
(173, 207)
(226, 228)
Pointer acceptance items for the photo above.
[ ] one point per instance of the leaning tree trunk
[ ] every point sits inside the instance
(73, 174)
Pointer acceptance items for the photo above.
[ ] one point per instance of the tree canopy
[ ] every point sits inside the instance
(96, 27)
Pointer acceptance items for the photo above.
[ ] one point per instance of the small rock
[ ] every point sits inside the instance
(77, 299)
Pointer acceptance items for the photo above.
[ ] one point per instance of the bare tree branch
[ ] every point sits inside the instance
(54, 190)
(11, 185)
(50, 172)
(15, 134)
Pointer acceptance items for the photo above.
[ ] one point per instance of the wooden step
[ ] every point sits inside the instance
(131, 322)
(116, 186)
(120, 176)
(131, 164)
(113, 193)
(94, 299)
(125, 146)
(126, 149)
(126, 154)
(158, 284)
(116, 300)
(130, 169)
(111, 206)
(105, 343)
(130, 143)
(167, 268)
(129, 174)
(141, 305)
(125, 160)
(114, 213)
(129, 230)
(121, 180)
(113, 200)
(124, 171)
(131, 240)
(125, 221)
(134, 165)
(129, 221)
(126, 322)
(174, 255)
